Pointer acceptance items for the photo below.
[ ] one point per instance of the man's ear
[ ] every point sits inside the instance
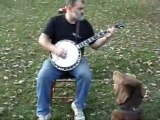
(69, 8)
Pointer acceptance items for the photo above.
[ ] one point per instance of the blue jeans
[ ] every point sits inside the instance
(48, 74)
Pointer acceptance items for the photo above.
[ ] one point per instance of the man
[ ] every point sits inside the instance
(59, 28)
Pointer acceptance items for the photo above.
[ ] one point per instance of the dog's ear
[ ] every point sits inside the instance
(130, 79)
(131, 75)
(117, 77)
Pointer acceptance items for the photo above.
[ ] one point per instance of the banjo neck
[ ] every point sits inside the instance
(98, 35)
(91, 39)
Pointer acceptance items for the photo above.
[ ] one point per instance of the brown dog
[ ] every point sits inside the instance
(129, 93)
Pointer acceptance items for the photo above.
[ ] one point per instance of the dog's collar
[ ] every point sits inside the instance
(128, 108)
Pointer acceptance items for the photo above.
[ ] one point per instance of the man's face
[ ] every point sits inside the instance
(77, 10)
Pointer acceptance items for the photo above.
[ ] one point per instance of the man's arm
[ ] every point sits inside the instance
(45, 43)
(100, 42)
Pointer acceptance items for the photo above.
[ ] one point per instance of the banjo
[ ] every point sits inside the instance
(73, 50)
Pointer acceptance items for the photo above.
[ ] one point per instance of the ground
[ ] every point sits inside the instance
(135, 49)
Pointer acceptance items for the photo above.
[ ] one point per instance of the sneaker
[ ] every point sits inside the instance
(47, 117)
(78, 113)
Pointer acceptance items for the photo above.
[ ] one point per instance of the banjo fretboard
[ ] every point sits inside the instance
(91, 39)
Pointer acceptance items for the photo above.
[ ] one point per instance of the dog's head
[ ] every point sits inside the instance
(123, 85)
(120, 78)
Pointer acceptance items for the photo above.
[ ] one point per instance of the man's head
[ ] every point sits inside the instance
(76, 8)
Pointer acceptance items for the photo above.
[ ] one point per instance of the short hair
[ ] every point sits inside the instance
(72, 2)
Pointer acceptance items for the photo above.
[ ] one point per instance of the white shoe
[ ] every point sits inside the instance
(78, 113)
(47, 117)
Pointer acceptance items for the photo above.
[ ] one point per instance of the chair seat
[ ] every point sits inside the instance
(67, 76)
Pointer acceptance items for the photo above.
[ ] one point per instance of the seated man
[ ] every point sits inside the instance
(129, 94)
(72, 26)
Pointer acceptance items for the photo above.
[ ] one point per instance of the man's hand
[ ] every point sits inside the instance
(100, 42)
(110, 32)
(60, 52)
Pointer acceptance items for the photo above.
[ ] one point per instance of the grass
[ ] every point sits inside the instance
(135, 49)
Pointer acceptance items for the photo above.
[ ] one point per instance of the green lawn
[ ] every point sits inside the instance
(136, 49)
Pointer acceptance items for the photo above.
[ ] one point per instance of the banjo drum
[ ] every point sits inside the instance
(72, 59)
(74, 55)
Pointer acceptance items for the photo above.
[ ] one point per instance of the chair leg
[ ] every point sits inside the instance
(53, 88)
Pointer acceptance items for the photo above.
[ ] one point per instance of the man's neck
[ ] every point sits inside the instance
(69, 18)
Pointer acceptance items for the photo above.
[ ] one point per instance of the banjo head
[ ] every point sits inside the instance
(72, 59)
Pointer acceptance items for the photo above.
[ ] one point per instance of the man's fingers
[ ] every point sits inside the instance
(63, 54)
(111, 30)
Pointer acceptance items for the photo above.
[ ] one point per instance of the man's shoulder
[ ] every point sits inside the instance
(86, 23)
(57, 18)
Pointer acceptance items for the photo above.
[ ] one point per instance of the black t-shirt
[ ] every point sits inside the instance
(58, 28)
